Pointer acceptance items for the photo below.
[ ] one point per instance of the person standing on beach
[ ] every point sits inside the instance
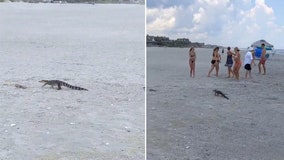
(216, 59)
(229, 62)
(238, 63)
(262, 60)
(248, 61)
(192, 58)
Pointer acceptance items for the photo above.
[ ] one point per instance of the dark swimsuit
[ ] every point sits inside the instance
(229, 61)
(192, 61)
(213, 60)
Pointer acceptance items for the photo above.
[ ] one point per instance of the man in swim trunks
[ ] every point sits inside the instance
(262, 60)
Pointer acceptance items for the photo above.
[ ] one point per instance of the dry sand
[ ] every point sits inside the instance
(186, 121)
(74, 43)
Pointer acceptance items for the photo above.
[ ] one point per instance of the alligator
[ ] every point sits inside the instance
(219, 93)
(59, 83)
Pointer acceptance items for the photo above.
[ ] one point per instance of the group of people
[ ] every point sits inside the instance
(233, 62)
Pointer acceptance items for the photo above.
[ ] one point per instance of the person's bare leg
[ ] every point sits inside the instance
(193, 70)
(250, 74)
(259, 68)
(190, 69)
(212, 67)
(232, 72)
(217, 70)
(229, 72)
(237, 74)
(264, 69)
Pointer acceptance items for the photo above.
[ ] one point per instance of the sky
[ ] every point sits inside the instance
(221, 22)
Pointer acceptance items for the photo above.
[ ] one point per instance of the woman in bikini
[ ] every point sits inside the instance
(192, 58)
(216, 59)
(238, 63)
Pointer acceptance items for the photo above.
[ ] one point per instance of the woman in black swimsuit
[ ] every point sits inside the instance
(192, 58)
(215, 61)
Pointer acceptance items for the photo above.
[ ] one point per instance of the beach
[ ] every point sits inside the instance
(186, 121)
(97, 47)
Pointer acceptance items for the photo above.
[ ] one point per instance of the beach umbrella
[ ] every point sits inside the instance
(257, 44)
